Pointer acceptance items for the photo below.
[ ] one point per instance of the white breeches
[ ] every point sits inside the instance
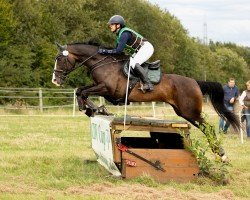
(144, 53)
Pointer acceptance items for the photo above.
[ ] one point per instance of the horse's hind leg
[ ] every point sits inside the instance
(194, 117)
(213, 141)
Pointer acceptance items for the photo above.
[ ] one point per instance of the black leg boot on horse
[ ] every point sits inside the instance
(147, 85)
(84, 103)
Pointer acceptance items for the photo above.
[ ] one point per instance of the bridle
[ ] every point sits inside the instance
(64, 73)
(93, 67)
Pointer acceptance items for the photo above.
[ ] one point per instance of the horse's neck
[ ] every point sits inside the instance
(82, 51)
(88, 55)
(107, 60)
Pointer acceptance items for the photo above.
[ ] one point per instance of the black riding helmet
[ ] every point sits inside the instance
(117, 19)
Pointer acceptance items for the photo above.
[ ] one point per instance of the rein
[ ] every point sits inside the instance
(82, 63)
(65, 73)
(98, 66)
(93, 67)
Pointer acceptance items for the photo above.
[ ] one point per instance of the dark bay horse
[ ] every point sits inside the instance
(184, 94)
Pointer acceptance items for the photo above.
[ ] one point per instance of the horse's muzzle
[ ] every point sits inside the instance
(55, 82)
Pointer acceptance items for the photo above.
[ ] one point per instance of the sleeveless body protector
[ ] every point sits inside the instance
(136, 42)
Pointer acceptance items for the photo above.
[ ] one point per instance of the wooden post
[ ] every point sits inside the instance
(241, 131)
(40, 99)
(153, 107)
(74, 103)
(101, 101)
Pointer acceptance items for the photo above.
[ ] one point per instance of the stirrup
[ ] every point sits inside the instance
(148, 87)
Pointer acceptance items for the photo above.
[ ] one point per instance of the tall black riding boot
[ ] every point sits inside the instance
(147, 85)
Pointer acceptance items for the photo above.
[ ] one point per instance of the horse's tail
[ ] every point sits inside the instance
(216, 94)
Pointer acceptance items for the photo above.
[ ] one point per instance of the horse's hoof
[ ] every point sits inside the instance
(224, 159)
(221, 152)
(225, 181)
(103, 110)
(82, 108)
(89, 112)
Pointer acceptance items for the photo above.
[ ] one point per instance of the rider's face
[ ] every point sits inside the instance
(114, 27)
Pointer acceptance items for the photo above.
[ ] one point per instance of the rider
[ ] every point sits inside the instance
(134, 44)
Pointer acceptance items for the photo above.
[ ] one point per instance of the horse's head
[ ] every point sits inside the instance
(85, 53)
(64, 64)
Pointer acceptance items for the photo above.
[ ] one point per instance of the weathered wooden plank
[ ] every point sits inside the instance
(149, 122)
(149, 128)
(180, 165)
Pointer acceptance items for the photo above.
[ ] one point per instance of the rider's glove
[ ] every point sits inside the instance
(107, 51)
(103, 51)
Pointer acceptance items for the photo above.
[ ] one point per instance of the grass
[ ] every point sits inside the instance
(43, 158)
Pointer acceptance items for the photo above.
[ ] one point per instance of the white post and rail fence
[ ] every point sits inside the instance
(42, 99)
(37, 98)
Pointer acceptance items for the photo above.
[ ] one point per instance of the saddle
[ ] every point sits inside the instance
(153, 71)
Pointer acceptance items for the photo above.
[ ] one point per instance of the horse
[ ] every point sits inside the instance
(184, 94)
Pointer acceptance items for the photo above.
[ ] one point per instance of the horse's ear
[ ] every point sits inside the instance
(61, 47)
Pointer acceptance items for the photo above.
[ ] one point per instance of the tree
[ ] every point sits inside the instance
(30, 28)
(7, 23)
(229, 64)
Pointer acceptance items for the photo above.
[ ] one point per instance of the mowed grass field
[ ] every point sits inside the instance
(44, 157)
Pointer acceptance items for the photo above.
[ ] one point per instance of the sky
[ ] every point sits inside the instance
(226, 20)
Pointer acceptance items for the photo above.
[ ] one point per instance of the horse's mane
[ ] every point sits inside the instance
(96, 42)
(93, 42)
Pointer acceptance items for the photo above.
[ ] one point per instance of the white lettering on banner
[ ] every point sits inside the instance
(102, 144)
(101, 135)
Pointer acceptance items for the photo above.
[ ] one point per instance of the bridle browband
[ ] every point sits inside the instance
(92, 68)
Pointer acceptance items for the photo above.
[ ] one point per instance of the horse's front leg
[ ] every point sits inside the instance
(100, 90)
(81, 102)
